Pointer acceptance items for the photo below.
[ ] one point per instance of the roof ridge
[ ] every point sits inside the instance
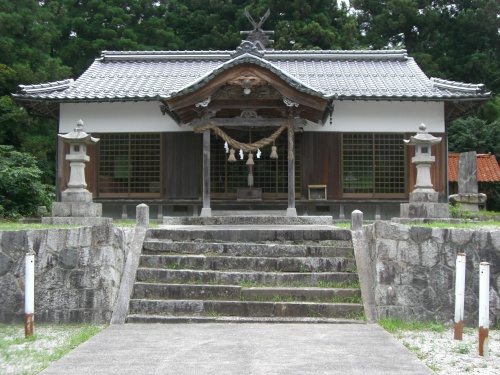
(461, 86)
(47, 86)
(267, 54)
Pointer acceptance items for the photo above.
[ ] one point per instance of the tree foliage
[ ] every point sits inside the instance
(49, 40)
(21, 191)
(457, 40)
(474, 134)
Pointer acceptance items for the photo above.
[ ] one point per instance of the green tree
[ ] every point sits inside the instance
(29, 31)
(21, 190)
(318, 24)
(456, 40)
(474, 134)
(33, 135)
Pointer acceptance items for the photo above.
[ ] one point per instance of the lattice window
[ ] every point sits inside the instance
(129, 165)
(269, 174)
(373, 165)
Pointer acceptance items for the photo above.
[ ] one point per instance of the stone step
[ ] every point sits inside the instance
(249, 218)
(176, 319)
(237, 293)
(155, 275)
(249, 233)
(246, 308)
(186, 291)
(301, 294)
(330, 249)
(288, 264)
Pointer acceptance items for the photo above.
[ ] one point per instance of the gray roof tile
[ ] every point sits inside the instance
(144, 75)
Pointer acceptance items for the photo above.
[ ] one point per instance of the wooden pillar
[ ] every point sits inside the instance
(291, 211)
(206, 211)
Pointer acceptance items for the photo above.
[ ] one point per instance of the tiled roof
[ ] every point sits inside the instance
(488, 169)
(146, 75)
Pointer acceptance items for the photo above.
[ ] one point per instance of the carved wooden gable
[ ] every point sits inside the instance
(247, 87)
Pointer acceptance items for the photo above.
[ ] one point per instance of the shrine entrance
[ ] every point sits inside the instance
(270, 175)
(251, 115)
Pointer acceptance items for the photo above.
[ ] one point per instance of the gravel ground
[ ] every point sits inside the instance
(444, 355)
(24, 356)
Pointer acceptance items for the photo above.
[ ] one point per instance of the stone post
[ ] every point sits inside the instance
(356, 220)
(142, 216)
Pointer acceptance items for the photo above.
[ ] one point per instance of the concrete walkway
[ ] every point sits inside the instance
(232, 349)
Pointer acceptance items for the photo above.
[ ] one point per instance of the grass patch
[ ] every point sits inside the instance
(463, 225)
(344, 224)
(131, 224)
(16, 225)
(392, 325)
(20, 355)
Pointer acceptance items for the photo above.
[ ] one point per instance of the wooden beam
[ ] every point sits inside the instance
(240, 121)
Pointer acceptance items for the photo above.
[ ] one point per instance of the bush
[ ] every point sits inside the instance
(21, 191)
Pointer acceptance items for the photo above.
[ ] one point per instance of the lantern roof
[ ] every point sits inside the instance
(79, 135)
(422, 138)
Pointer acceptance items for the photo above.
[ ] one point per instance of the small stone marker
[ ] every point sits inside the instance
(356, 220)
(468, 196)
(142, 216)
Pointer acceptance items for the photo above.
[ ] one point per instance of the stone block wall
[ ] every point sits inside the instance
(77, 273)
(413, 270)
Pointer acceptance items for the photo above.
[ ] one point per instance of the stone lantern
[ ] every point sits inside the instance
(76, 206)
(423, 160)
(423, 199)
(77, 187)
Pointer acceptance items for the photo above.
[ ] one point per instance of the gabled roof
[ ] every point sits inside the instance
(488, 169)
(154, 75)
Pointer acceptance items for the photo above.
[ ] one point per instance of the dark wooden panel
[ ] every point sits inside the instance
(321, 162)
(182, 165)
(440, 166)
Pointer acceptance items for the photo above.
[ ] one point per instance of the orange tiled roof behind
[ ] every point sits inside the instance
(488, 169)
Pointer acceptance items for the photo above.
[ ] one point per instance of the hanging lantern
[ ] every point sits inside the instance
(250, 159)
(274, 154)
(231, 158)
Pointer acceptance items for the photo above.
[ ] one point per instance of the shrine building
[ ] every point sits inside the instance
(308, 132)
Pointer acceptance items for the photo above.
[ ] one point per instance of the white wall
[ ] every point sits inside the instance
(383, 116)
(349, 116)
(128, 117)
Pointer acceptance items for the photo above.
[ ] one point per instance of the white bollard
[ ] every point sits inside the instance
(29, 295)
(484, 307)
(459, 296)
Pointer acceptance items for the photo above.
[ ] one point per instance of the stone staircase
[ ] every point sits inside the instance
(246, 273)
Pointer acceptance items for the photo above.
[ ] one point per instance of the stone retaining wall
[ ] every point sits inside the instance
(77, 273)
(413, 270)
